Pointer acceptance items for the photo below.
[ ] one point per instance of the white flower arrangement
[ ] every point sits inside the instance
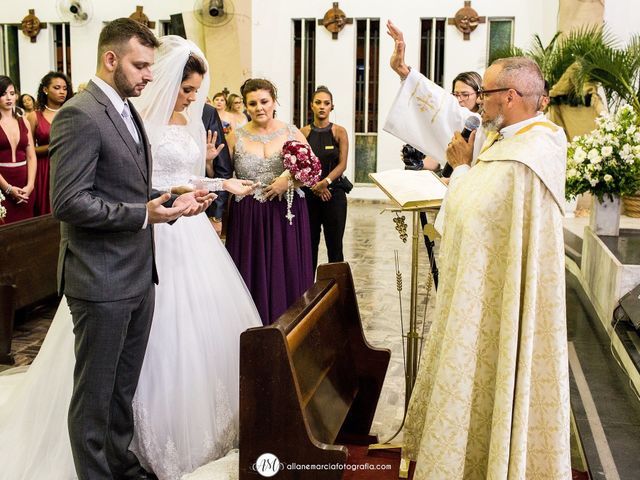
(607, 160)
(3, 211)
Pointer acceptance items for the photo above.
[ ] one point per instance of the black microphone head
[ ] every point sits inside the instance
(472, 123)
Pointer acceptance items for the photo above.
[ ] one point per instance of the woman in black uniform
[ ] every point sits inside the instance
(327, 200)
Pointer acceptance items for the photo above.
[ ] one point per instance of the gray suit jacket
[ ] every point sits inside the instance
(100, 183)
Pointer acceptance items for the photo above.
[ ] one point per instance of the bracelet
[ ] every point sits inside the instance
(329, 181)
(9, 190)
(216, 220)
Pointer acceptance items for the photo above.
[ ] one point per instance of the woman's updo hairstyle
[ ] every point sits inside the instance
(255, 84)
(322, 89)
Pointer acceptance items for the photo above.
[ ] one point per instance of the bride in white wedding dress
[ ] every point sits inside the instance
(186, 404)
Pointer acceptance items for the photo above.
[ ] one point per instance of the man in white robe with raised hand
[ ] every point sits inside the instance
(491, 400)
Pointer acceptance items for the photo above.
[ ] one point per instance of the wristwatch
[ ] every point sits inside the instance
(216, 220)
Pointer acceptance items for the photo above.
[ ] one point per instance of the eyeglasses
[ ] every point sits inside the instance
(482, 93)
(463, 95)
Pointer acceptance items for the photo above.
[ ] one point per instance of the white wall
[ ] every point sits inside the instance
(623, 18)
(272, 49)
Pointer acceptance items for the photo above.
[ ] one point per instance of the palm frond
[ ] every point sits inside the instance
(599, 57)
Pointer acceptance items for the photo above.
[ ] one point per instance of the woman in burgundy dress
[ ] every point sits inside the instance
(54, 90)
(17, 156)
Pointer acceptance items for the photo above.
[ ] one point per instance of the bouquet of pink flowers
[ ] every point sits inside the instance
(303, 165)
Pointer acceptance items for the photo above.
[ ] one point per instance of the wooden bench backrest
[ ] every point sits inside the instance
(28, 264)
(29, 258)
(310, 378)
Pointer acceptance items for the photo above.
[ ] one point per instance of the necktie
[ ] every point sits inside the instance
(128, 120)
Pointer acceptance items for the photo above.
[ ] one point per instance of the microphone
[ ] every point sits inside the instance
(471, 123)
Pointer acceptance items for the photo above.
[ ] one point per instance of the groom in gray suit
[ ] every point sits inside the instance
(101, 192)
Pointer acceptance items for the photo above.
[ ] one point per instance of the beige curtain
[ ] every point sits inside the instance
(575, 120)
(578, 13)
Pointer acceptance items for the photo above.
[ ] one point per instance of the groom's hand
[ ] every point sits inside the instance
(158, 213)
(194, 202)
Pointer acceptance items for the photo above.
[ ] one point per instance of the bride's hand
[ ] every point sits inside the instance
(397, 58)
(277, 188)
(239, 187)
(212, 150)
(195, 202)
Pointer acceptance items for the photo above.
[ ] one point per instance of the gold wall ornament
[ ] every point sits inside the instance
(141, 17)
(466, 20)
(335, 20)
(31, 25)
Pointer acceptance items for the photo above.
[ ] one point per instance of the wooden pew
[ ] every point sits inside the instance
(28, 263)
(310, 381)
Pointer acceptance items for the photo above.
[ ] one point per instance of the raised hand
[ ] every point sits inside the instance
(239, 187)
(212, 150)
(397, 58)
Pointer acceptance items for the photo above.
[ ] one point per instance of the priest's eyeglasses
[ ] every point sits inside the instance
(482, 93)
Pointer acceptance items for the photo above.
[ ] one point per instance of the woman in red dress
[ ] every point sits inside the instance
(17, 156)
(54, 90)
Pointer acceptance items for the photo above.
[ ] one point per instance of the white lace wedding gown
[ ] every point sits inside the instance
(186, 405)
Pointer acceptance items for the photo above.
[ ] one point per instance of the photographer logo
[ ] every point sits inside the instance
(267, 465)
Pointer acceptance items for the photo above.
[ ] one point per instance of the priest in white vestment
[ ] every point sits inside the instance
(491, 400)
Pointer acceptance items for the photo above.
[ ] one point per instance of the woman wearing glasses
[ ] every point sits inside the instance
(465, 88)
(235, 108)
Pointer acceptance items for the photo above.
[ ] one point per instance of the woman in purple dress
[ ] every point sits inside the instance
(272, 253)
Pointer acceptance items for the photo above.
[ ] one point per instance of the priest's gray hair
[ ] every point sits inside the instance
(524, 75)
